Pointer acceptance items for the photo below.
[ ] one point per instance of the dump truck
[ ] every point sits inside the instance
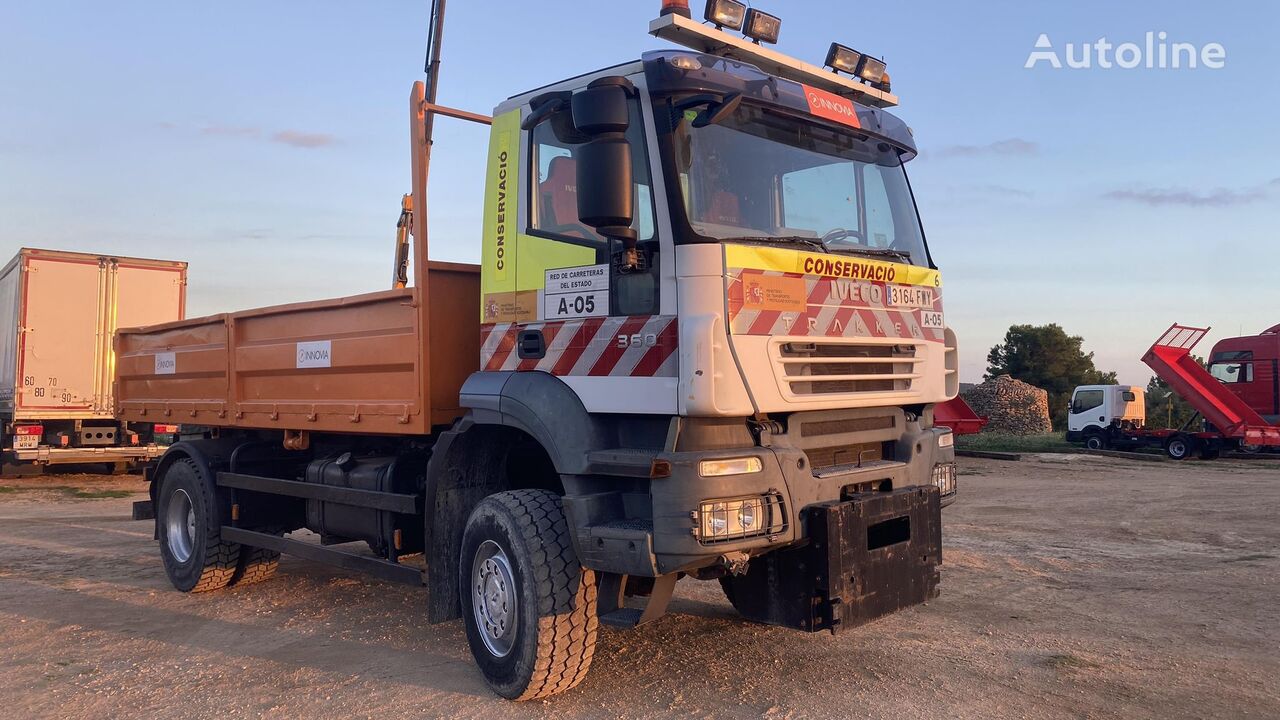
(705, 341)
(1236, 399)
(58, 313)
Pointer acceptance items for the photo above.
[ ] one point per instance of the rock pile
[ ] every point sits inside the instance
(1012, 407)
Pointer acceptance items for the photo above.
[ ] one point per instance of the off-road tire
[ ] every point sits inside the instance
(212, 563)
(556, 622)
(256, 565)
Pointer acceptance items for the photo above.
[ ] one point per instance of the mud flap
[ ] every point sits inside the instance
(866, 557)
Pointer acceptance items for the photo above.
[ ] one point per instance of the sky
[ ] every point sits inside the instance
(266, 143)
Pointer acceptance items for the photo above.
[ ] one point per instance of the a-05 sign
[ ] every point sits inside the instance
(576, 292)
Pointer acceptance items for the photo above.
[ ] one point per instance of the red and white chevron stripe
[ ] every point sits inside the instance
(827, 316)
(636, 346)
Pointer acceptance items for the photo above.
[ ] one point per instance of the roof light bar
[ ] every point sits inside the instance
(726, 13)
(702, 38)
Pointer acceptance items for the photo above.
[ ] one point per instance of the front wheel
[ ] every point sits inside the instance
(528, 605)
(1095, 442)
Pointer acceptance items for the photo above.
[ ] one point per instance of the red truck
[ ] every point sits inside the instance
(1237, 399)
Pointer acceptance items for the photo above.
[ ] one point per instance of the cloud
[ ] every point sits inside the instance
(299, 139)
(1009, 147)
(230, 131)
(1186, 198)
(1004, 190)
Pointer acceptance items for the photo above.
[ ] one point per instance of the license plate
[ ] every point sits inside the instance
(910, 296)
(26, 442)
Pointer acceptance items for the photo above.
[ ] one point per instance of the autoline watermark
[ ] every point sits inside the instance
(1155, 52)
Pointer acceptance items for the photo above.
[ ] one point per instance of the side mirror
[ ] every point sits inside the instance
(606, 201)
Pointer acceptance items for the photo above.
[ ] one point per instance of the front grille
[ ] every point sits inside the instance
(855, 455)
(828, 368)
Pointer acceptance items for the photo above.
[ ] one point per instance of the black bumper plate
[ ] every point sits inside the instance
(866, 557)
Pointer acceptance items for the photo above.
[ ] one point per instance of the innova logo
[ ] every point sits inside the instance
(1155, 52)
(315, 354)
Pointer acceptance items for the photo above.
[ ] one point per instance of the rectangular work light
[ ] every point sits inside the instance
(762, 27)
(843, 59)
(726, 13)
(871, 69)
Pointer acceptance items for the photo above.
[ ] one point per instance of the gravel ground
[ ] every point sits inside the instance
(1074, 586)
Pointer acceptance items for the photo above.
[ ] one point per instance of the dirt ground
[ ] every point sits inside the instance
(1073, 586)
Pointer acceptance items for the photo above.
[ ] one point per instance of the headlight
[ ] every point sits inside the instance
(729, 466)
(738, 518)
(946, 439)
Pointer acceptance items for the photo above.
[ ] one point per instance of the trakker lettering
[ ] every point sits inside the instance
(502, 211)
(849, 269)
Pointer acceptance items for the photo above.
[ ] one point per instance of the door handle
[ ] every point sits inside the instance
(531, 345)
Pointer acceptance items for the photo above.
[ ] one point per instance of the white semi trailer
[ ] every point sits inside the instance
(58, 314)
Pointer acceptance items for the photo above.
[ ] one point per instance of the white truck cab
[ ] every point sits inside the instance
(1098, 409)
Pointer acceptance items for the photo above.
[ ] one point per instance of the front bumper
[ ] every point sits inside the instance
(868, 556)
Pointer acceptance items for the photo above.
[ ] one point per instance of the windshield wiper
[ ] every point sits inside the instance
(874, 252)
(814, 243)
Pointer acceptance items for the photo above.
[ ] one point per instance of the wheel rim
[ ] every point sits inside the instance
(1094, 444)
(1177, 448)
(493, 598)
(180, 525)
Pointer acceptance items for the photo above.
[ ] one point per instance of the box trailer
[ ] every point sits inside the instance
(58, 314)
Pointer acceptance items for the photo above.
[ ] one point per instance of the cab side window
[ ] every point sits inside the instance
(563, 240)
(1086, 400)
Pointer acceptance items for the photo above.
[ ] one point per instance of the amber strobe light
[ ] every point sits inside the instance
(725, 13)
(761, 26)
(675, 7)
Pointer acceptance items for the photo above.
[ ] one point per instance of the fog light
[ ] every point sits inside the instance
(730, 466)
(726, 13)
(762, 27)
(738, 518)
(944, 478)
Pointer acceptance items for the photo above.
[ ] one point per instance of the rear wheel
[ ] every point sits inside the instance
(195, 557)
(256, 565)
(1178, 447)
(528, 605)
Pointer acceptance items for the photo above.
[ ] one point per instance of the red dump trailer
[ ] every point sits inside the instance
(957, 415)
(1230, 421)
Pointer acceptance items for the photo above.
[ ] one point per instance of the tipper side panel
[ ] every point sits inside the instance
(151, 384)
(345, 365)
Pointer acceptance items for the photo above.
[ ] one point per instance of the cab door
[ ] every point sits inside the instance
(561, 302)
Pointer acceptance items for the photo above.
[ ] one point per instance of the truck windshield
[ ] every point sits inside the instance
(765, 176)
